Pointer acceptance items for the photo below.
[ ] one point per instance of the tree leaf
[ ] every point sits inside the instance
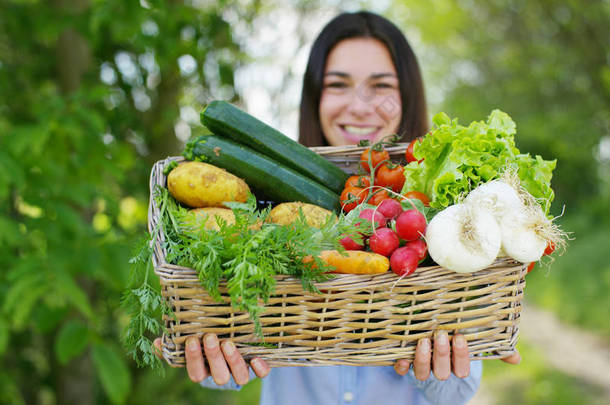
(4, 335)
(74, 293)
(71, 340)
(112, 372)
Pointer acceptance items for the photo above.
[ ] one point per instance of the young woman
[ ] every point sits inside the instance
(362, 82)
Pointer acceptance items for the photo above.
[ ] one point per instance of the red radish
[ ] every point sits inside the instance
(420, 247)
(390, 208)
(369, 214)
(411, 225)
(350, 244)
(384, 241)
(404, 261)
(550, 248)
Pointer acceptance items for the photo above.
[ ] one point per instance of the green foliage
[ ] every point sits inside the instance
(541, 62)
(89, 96)
(112, 371)
(533, 382)
(71, 340)
(575, 285)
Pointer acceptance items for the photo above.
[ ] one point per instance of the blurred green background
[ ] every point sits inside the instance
(93, 92)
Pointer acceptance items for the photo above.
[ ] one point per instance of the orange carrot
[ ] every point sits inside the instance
(356, 262)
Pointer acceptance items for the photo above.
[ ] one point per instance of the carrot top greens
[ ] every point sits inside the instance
(243, 257)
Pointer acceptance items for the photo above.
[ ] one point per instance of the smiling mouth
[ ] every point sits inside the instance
(359, 131)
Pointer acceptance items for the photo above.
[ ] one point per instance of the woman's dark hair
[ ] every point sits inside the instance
(414, 121)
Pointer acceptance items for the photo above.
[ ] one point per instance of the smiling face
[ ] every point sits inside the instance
(360, 93)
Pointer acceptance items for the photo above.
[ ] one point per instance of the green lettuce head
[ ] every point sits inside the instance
(456, 159)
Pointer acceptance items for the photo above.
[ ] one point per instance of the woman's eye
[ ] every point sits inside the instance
(336, 85)
(383, 86)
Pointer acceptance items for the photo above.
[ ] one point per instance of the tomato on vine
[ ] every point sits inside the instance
(390, 176)
(377, 156)
(352, 196)
(409, 152)
(378, 197)
(417, 195)
(358, 181)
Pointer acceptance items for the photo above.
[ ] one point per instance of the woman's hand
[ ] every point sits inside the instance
(223, 359)
(514, 358)
(447, 357)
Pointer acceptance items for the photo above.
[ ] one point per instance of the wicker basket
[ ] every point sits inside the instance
(357, 319)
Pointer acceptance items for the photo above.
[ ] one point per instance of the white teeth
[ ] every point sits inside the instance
(360, 130)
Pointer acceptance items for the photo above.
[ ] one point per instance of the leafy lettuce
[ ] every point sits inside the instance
(456, 159)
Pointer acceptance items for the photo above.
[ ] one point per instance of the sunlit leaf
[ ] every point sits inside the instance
(71, 340)
(112, 372)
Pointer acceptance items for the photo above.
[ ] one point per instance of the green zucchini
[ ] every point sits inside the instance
(276, 181)
(224, 119)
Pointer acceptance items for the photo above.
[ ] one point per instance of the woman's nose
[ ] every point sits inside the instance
(361, 102)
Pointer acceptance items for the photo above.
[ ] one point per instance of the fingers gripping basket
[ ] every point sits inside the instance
(357, 319)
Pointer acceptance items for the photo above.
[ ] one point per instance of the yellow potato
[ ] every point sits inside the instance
(199, 184)
(211, 216)
(287, 213)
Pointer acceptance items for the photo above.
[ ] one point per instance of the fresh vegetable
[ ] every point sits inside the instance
(247, 259)
(372, 217)
(358, 181)
(525, 230)
(409, 152)
(263, 174)
(390, 208)
(404, 261)
(384, 241)
(463, 239)
(417, 195)
(459, 158)
(390, 176)
(350, 244)
(378, 196)
(210, 217)
(410, 225)
(355, 262)
(224, 119)
(419, 246)
(376, 155)
(289, 212)
(352, 197)
(198, 184)
(497, 196)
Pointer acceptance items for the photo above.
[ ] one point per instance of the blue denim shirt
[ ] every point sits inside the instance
(351, 385)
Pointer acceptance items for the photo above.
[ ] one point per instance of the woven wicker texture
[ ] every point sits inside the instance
(357, 319)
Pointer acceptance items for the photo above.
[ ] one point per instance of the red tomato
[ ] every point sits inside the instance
(358, 181)
(390, 178)
(409, 152)
(352, 196)
(416, 195)
(376, 158)
(378, 197)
